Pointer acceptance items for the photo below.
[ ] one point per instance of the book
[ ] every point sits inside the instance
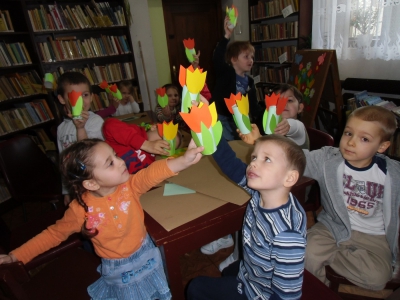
(32, 113)
(28, 57)
(9, 21)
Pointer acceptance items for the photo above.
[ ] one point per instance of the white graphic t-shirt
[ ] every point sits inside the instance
(363, 190)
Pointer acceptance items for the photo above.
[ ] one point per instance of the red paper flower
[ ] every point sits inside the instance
(113, 88)
(103, 84)
(160, 91)
(189, 43)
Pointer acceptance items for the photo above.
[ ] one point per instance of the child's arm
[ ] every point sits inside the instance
(251, 137)
(134, 105)
(220, 49)
(226, 159)
(81, 133)
(287, 256)
(283, 127)
(191, 157)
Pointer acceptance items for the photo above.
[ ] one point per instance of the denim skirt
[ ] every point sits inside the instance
(140, 276)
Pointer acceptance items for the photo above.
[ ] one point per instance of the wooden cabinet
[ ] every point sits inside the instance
(276, 34)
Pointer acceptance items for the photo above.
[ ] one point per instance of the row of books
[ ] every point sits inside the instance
(17, 85)
(42, 140)
(271, 54)
(265, 9)
(4, 192)
(96, 74)
(24, 115)
(12, 54)
(62, 17)
(271, 73)
(5, 21)
(266, 32)
(68, 48)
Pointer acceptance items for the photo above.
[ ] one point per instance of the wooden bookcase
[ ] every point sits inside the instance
(276, 37)
(107, 53)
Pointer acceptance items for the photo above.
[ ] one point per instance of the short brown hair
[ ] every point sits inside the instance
(384, 117)
(235, 48)
(283, 87)
(293, 152)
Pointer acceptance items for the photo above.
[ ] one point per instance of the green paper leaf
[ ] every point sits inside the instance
(265, 117)
(189, 54)
(272, 124)
(208, 141)
(187, 103)
(246, 121)
(196, 139)
(163, 101)
(217, 131)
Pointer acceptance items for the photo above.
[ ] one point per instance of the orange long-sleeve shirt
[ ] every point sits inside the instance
(118, 217)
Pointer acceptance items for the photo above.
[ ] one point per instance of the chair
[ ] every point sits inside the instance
(28, 173)
(318, 139)
(66, 277)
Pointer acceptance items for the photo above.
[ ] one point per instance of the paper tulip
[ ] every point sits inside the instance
(168, 132)
(192, 82)
(272, 115)
(104, 86)
(189, 49)
(49, 82)
(115, 91)
(232, 13)
(76, 101)
(205, 129)
(238, 106)
(162, 97)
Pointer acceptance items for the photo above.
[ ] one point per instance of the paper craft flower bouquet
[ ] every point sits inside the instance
(189, 49)
(168, 132)
(162, 97)
(76, 101)
(272, 116)
(233, 14)
(205, 129)
(111, 89)
(192, 82)
(238, 106)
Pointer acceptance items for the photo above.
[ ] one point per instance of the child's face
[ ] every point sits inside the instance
(109, 170)
(81, 87)
(293, 107)
(268, 167)
(125, 94)
(243, 62)
(360, 141)
(173, 97)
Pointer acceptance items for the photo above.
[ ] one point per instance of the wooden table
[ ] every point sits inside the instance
(203, 230)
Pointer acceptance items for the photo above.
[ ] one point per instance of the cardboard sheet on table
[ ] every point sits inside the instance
(173, 211)
(135, 118)
(205, 177)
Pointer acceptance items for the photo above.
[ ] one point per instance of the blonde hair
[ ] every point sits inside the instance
(384, 117)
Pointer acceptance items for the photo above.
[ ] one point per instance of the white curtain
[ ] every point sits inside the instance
(364, 33)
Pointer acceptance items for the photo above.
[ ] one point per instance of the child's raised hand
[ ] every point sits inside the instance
(202, 99)
(228, 31)
(251, 137)
(80, 123)
(156, 147)
(191, 157)
(6, 259)
(196, 61)
(283, 127)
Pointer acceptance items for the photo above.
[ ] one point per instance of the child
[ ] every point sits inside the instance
(72, 130)
(133, 144)
(291, 128)
(108, 206)
(171, 111)
(357, 232)
(231, 64)
(274, 227)
(128, 103)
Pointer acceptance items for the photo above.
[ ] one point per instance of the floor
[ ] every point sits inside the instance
(193, 264)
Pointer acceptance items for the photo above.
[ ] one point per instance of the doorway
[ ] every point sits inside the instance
(201, 20)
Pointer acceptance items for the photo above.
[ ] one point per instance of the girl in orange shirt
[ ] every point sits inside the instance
(107, 203)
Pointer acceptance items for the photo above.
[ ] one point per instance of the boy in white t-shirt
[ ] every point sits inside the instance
(73, 130)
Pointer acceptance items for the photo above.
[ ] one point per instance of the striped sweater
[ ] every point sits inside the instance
(274, 240)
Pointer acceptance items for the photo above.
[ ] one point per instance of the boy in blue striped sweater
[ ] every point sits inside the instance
(274, 227)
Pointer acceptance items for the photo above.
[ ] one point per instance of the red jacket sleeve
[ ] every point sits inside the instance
(116, 131)
(205, 92)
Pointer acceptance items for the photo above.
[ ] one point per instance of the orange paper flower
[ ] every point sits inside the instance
(232, 101)
(73, 97)
(204, 114)
(189, 43)
(276, 100)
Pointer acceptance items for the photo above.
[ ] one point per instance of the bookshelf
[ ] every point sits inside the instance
(277, 28)
(88, 36)
(24, 103)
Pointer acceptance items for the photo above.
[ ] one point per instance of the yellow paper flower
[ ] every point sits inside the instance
(195, 80)
(170, 130)
(243, 105)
